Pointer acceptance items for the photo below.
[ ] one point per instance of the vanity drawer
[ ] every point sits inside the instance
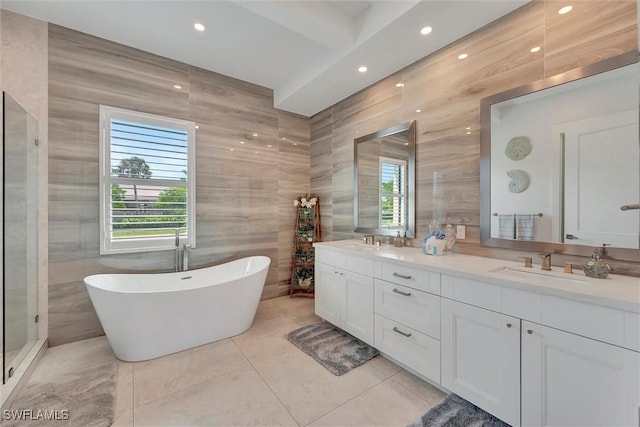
(357, 264)
(353, 263)
(415, 309)
(411, 277)
(409, 347)
(473, 292)
(589, 320)
(325, 256)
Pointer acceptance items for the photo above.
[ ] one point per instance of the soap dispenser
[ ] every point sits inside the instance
(596, 267)
(397, 241)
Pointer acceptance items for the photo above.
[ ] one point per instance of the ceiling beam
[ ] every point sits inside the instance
(316, 21)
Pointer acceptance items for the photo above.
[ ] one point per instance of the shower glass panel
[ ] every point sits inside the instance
(20, 251)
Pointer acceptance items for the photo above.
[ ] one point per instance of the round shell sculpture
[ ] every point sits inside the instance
(518, 148)
(519, 181)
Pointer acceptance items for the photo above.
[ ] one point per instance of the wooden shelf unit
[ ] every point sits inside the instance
(307, 231)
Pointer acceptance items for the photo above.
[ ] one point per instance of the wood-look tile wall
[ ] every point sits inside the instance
(244, 197)
(447, 91)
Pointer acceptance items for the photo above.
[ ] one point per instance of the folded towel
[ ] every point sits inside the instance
(506, 226)
(524, 227)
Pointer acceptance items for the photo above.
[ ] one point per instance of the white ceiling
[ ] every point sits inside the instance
(308, 52)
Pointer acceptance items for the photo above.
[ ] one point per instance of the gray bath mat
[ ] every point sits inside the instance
(334, 349)
(454, 411)
(84, 399)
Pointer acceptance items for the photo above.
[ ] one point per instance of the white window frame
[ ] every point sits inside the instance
(109, 246)
(402, 194)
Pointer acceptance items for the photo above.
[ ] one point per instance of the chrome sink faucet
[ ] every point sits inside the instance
(546, 261)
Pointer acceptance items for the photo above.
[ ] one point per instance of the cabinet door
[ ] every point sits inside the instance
(569, 380)
(357, 310)
(481, 358)
(329, 292)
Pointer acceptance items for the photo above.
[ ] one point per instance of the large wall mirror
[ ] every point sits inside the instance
(384, 181)
(560, 162)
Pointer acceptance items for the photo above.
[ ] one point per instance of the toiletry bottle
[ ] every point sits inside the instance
(449, 236)
(596, 267)
(396, 240)
(404, 239)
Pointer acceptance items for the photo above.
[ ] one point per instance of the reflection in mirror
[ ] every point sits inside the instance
(560, 163)
(384, 181)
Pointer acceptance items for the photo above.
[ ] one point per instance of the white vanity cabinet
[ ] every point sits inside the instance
(531, 351)
(533, 359)
(570, 380)
(481, 358)
(344, 292)
(407, 317)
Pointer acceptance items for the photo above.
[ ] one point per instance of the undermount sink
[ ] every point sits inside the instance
(538, 275)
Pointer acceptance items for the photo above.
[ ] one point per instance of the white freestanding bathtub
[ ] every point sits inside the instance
(150, 315)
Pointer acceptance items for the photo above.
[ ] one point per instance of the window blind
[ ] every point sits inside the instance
(147, 175)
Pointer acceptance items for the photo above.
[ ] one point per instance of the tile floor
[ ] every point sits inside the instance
(257, 378)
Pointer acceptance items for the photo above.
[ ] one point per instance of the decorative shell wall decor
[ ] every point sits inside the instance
(519, 181)
(518, 148)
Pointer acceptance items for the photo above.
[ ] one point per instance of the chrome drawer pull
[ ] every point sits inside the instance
(402, 276)
(395, 329)
(406, 294)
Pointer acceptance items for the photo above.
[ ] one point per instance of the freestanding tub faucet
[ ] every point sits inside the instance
(185, 257)
(177, 254)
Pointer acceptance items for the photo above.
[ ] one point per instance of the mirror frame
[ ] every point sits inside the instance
(485, 161)
(411, 179)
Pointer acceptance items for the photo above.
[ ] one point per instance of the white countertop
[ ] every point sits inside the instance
(616, 291)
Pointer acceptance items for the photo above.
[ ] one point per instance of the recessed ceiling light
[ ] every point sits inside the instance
(425, 30)
(399, 84)
(231, 149)
(269, 145)
(406, 143)
(418, 110)
(241, 142)
(255, 134)
(255, 152)
(468, 133)
(295, 143)
(362, 69)
(177, 86)
(284, 138)
(463, 56)
(197, 127)
(565, 9)
(198, 26)
(468, 127)
(535, 49)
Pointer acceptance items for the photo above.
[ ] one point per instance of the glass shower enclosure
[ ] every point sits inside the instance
(20, 234)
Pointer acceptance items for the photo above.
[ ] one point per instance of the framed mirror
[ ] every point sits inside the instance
(560, 162)
(384, 181)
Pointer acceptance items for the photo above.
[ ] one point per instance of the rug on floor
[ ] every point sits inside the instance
(333, 348)
(84, 399)
(454, 411)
